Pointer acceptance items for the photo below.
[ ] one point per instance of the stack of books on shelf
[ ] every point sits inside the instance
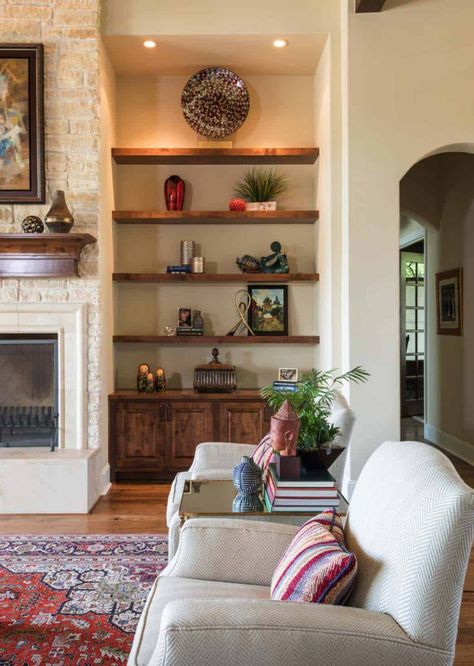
(177, 270)
(283, 385)
(188, 330)
(313, 492)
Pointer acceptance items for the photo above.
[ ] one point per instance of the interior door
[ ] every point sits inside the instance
(412, 329)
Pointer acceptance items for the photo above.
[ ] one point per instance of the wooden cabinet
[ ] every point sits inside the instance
(243, 422)
(187, 424)
(139, 430)
(153, 436)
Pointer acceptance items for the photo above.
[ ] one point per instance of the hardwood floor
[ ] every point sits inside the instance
(139, 509)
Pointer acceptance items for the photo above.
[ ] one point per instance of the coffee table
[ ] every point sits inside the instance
(212, 497)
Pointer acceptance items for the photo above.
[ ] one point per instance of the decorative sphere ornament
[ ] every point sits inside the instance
(32, 225)
(237, 204)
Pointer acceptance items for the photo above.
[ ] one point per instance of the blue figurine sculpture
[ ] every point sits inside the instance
(247, 479)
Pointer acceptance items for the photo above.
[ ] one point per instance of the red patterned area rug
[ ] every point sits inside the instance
(74, 600)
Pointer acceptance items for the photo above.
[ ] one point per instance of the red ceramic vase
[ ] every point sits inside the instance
(174, 193)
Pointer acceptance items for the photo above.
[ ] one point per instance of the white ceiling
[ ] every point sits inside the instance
(185, 54)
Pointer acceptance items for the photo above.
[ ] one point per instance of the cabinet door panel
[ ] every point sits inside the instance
(243, 422)
(140, 437)
(187, 425)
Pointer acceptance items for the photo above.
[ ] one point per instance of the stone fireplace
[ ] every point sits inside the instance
(43, 369)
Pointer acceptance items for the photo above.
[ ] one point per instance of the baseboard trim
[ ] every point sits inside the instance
(451, 444)
(105, 479)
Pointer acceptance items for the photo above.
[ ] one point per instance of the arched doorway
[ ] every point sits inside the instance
(437, 215)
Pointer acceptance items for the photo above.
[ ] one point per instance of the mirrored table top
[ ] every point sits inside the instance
(211, 497)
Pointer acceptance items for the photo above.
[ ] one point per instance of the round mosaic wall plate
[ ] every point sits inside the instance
(215, 102)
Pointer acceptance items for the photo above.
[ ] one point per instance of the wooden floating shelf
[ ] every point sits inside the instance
(215, 155)
(41, 255)
(220, 339)
(215, 217)
(194, 278)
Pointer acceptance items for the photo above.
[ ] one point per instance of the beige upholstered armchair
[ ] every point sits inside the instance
(410, 523)
(215, 460)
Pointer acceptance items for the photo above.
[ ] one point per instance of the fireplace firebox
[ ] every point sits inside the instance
(28, 390)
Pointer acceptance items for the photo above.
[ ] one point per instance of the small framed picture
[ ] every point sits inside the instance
(22, 177)
(268, 312)
(449, 290)
(288, 374)
(185, 317)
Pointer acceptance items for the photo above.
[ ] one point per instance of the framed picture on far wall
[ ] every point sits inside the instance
(449, 290)
(268, 312)
(21, 124)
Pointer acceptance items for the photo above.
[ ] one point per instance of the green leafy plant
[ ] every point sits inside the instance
(312, 402)
(259, 185)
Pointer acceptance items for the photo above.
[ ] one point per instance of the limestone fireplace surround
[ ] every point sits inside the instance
(69, 480)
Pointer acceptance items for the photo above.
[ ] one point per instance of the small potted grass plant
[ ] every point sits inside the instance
(312, 400)
(260, 188)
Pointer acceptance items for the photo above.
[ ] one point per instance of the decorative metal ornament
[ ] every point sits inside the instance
(242, 303)
(32, 225)
(215, 102)
(187, 252)
(276, 262)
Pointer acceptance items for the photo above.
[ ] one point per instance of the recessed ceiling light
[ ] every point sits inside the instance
(149, 44)
(280, 43)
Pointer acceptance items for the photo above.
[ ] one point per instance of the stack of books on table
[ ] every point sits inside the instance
(314, 491)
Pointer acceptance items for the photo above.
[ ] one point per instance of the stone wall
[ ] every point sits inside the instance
(69, 30)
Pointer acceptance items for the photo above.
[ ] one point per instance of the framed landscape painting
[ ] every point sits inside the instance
(21, 123)
(268, 312)
(449, 289)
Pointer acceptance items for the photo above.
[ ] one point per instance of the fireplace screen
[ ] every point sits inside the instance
(28, 390)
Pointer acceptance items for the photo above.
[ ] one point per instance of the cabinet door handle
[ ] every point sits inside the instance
(167, 411)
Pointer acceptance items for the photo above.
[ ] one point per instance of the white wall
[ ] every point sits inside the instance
(408, 94)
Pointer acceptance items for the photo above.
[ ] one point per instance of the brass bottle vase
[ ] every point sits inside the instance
(59, 219)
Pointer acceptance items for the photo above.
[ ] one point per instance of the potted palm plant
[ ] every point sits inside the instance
(261, 187)
(312, 400)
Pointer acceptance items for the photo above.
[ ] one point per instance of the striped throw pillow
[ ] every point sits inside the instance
(316, 567)
(263, 454)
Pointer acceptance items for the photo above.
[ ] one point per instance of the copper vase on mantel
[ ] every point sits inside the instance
(59, 219)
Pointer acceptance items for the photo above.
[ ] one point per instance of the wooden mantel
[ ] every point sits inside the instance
(41, 255)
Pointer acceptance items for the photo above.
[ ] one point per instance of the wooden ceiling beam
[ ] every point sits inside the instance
(364, 6)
